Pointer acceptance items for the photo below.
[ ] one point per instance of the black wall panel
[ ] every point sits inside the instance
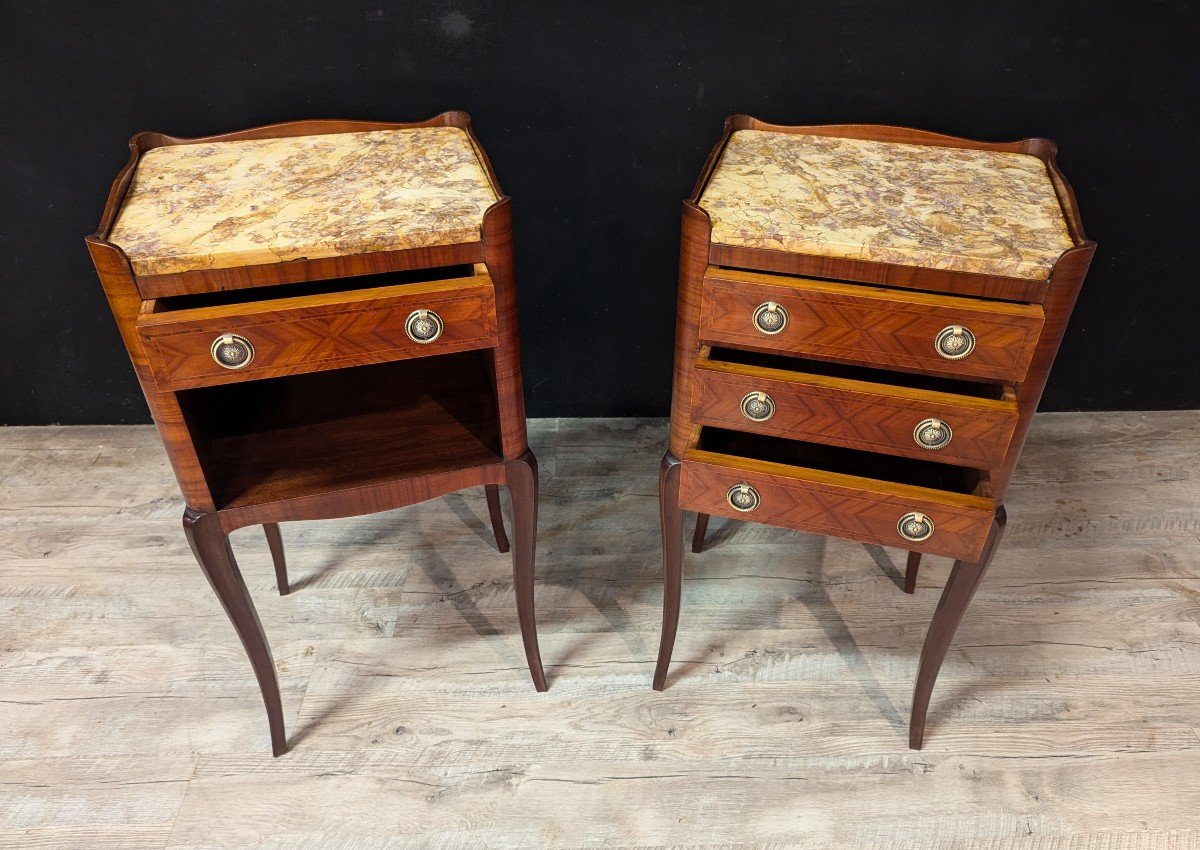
(597, 117)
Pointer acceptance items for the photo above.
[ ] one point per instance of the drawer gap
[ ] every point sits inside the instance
(320, 432)
(975, 389)
(843, 461)
(313, 287)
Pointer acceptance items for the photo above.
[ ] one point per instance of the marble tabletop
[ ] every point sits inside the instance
(917, 205)
(223, 204)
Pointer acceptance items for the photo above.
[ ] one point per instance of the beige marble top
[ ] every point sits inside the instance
(914, 205)
(223, 204)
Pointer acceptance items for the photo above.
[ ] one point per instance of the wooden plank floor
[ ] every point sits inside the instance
(1067, 714)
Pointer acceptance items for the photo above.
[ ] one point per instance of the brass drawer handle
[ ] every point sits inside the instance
(743, 497)
(757, 406)
(915, 527)
(770, 318)
(932, 434)
(954, 342)
(424, 326)
(232, 351)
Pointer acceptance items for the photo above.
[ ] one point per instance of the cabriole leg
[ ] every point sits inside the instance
(522, 475)
(211, 547)
(671, 518)
(492, 491)
(964, 579)
(275, 543)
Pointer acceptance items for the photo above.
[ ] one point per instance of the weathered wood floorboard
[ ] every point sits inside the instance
(1067, 716)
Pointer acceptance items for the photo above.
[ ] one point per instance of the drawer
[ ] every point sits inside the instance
(838, 492)
(310, 333)
(992, 340)
(915, 416)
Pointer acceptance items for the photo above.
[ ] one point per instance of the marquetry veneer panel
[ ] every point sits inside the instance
(856, 414)
(838, 505)
(312, 333)
(863, 324)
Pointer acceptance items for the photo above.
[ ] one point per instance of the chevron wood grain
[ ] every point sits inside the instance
(838, 456)
(860, 324)
(387, 433)
(857, 414)
(837, 505)
(316, 332)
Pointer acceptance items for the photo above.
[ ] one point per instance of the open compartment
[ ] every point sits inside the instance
(829, 369)
(327, 286)
(847, 462)
(300, 435)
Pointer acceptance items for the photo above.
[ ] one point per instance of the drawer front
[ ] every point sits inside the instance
(855, 414)
(308, 334)
(867, 325)
(836, 505)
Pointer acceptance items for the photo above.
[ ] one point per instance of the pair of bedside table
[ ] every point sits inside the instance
(322, 316)
(867, 318)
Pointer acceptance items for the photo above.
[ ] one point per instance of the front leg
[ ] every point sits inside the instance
(671, 518)
(522, 481)
(211, 547)
(964, 579)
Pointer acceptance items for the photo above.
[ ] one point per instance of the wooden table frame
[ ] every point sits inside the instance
(1056, 296)
(207, 524)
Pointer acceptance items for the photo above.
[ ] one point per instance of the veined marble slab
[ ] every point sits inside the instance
(224, 204)
(915, 205)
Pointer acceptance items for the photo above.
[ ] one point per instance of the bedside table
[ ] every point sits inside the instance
(322, 317)
(867, 317)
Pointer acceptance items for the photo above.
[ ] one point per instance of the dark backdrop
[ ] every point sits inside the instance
(597, 117)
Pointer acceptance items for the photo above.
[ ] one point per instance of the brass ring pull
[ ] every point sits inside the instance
(915, 527)
(231, 351)
(743, 497)
(757, 406)
(932, 434)
(954, 342)
(424, 326)
(770, 318)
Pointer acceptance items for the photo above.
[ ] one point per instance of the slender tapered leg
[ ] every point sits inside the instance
(964, 579)
(910, 572)
(211, 547)
(492, 491)
(522, 475)
(698, 534)
(671, 518)
(275, 543)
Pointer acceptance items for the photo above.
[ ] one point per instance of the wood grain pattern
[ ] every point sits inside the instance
(319, 442)
(838, 505)
(316, 332)
(841, 323)
(262, 443)
(879, 327)
(858, 414)
(693, 261)
(506, 356)
(1064, 717)
(116, 277)
(960, 589)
